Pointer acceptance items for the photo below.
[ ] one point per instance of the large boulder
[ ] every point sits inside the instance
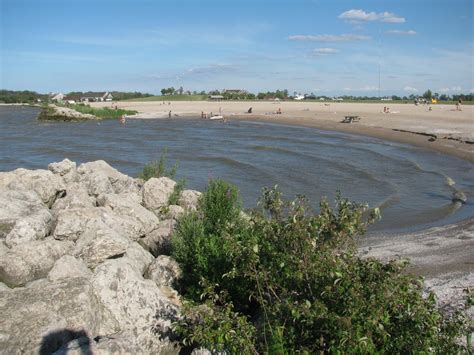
(66, 169)
(159, 240)
(126, 205)
(99, 177)
(156, 193)
(98, 245)
(189, 199)
(31, 261)
(69, 267)
(137, 305)
(164, 271)
(23, 217)
(76, 197)
(40, 319)
(43, 182)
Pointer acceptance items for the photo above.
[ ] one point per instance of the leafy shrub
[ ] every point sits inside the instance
(178, 188)
(298, 280)
(157, 168)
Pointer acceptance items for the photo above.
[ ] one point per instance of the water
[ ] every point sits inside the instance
(408, 183)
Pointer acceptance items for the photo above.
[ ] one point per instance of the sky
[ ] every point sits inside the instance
(325, 47)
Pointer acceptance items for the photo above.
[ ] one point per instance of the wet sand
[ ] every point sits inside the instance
(443, 255)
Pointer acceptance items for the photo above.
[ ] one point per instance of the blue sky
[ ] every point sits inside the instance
(324, 47)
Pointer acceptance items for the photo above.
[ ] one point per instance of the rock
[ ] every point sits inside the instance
(39, 320)
(136, 304)
(72, 224)
(175, 212)
(43, 182)
(125, 205)
(31, 261)
(68, 267)
(23, 217)
(76, 197)
(459, 196)
(189, 199)
(66, 169)
(201, 351)
(164, 271)
(159, 241)
(138, 257)
(99, 177)
(156, 193)
(4, 287)
(98, 245)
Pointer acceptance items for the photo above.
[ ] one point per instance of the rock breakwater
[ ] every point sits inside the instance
(82, 264)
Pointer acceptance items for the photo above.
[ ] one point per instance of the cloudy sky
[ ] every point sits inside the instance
(320, 46)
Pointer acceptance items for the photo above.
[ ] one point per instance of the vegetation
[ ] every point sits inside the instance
(25, 97)
(281, 280)
(102, 112)
(157, 169)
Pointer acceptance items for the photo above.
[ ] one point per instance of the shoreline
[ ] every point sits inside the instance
(442, 130)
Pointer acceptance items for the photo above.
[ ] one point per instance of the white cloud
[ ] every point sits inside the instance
(410, 89)
(368, 88)
(324, 51)
(328, 38)
(357, 15)
(451, 89)
(399, 32)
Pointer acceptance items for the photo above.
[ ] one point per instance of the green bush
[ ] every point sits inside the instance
(157, 169)
(294, 281)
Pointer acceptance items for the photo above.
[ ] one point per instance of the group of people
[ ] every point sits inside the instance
(386, 109)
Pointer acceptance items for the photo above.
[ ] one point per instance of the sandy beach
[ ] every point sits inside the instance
(441, 255)
(442, 129)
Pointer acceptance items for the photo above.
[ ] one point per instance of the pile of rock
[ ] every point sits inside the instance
(58, 113)
(82, 260)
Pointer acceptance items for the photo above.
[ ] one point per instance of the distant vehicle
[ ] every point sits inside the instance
(386, 99)
(217, 117)
(299, 97)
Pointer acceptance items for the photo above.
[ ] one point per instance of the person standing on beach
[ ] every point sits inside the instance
(169, 114)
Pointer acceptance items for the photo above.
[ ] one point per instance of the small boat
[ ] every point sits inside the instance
(218, 117)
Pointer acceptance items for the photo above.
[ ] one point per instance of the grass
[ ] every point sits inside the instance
(104, 112)
(172, 98)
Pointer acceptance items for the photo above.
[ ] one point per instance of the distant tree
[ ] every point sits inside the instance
(180, 90)
(428, 95)
(261, 95)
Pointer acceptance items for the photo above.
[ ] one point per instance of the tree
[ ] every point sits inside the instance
(427, 95)
(180, 90)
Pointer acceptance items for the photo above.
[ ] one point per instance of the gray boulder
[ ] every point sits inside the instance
(76, 197)
(41, 319)
(98, 245)
(138, 257)
(156, 193)
(31, 261)
(99, 177)
(159, 241)
(125, 205)
(66, 169)
(68, 267)
(137, 305)
(174, 212)
(189, 199)
(23, 217)
(164, 271)
(43, 182)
